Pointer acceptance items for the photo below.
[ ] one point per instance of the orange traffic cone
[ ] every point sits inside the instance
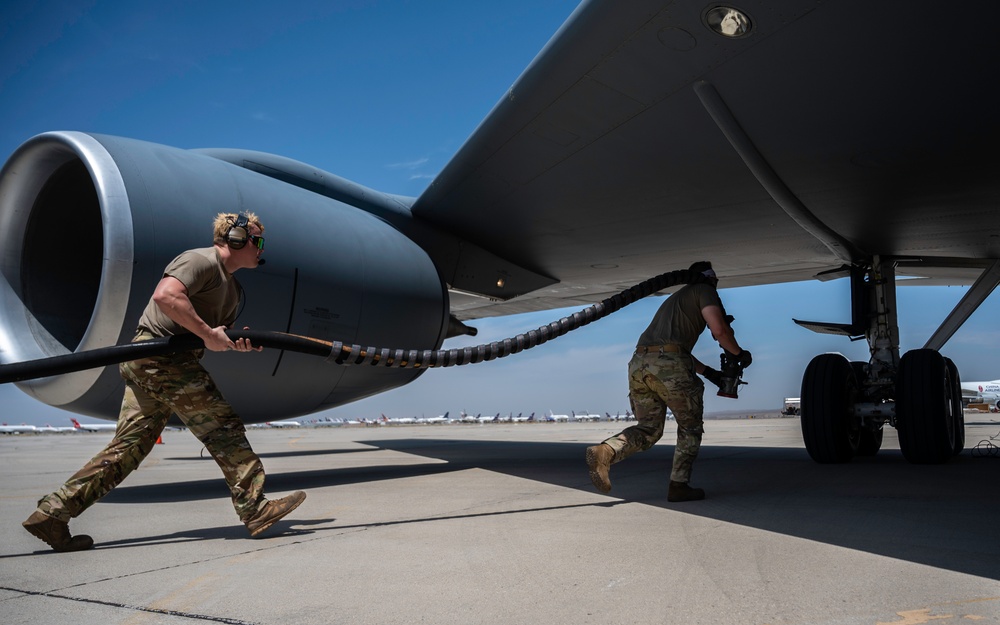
(159, 440)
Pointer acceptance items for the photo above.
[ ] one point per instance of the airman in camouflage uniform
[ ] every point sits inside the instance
(663, 374)
(197, 294)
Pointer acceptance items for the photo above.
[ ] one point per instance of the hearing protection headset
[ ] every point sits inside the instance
(239, 232)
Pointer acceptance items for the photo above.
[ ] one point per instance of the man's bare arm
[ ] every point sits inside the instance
(172, 297)
(721, 331)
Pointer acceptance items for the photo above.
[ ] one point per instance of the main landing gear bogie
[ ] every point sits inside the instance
(928, 409)
(845, 405)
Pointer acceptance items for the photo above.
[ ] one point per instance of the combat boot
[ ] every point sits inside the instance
(599, 458)
(55, 533)
(680, 491)
(273, 511)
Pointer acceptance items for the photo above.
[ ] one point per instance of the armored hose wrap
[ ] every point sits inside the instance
(342, 354)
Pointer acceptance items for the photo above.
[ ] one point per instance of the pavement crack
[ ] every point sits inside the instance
(137, 608)
(57, 593)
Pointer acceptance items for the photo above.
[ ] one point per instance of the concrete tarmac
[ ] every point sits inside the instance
(498, 523)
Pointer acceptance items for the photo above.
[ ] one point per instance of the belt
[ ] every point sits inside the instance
(659, 349)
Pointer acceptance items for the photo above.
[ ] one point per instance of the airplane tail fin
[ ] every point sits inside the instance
(76, 424)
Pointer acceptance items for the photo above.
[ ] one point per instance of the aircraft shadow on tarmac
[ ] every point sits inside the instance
(942, 515)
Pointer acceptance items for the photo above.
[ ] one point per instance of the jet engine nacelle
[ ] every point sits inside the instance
(88, 222)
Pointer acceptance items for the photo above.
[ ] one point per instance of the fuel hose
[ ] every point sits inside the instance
(340, 353)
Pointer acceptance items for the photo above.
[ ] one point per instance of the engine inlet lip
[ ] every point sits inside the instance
(21, 181)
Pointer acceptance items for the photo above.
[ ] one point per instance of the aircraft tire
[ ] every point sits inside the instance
(957, 411)
(923, 419)
(869, 441)
(829, 389)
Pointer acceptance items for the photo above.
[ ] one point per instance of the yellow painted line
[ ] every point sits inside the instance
(923, 615)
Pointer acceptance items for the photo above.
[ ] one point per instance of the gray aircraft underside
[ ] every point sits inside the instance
(813, 139)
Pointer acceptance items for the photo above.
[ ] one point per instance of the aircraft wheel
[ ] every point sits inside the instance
(923, 407)
(869, 441)
(957, 411)
(829, 390)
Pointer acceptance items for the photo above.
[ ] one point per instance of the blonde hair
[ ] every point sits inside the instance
(225, 221)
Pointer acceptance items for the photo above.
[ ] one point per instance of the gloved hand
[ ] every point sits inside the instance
(744, 358)
(713, 376)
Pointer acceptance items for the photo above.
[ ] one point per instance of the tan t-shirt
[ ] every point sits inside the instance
(678, 321)
(213, 291)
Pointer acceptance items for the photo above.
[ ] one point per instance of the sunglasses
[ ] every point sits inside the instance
(257, 241)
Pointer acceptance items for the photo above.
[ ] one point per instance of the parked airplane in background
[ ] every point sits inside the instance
(987, 392)
(94, 427)
(557, 417)
(24, 428)
(49, 429)
(283, 424)
(398, 420)
(438, 419)
(583, 416)
(793, 142)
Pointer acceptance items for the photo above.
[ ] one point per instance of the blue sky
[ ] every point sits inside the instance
(384, 93)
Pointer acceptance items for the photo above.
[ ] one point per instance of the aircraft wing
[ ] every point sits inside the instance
(640, 140)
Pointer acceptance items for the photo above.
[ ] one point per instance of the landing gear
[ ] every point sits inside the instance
(871, 441)
(870, 436)
(846, 404)
(924, 407)
(831, 428)
(829, 391)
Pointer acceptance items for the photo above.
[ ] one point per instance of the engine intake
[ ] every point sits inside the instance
(88, 222)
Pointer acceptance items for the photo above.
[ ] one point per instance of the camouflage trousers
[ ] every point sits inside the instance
(155, 389)
(657, 382)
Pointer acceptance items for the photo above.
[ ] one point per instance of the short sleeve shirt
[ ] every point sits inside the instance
(679, 321)
(213, 291)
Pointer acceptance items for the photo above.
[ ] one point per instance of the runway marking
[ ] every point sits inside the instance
(921, 616)
(916, 617)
